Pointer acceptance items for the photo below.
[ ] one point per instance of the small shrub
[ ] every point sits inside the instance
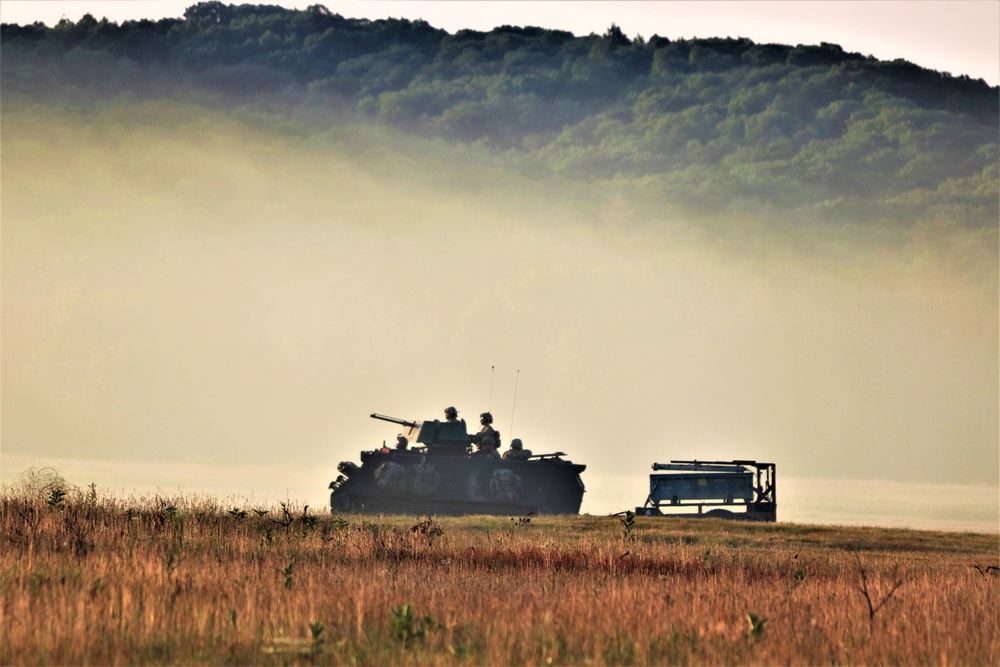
(289, 573)
(287, 519)
(406, 627)
(628, 524)
(517, 523)
(316, 629)
(56, 498)
(427, 528)
(757, 624)
(309, 522)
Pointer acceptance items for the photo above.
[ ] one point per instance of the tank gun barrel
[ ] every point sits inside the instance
(394, 420)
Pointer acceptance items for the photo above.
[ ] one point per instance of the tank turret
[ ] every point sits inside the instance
(445, 438)
(441, 474)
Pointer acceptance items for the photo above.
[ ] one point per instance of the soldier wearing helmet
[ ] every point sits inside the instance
(487, 448)
(402, 442)
(451, 434)
(487, 430)
(517, 452)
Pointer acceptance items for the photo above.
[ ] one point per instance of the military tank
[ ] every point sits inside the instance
(441, 474)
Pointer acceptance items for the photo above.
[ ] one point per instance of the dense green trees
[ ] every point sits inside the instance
(711, 122)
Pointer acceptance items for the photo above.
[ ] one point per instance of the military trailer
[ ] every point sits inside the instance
(442, 475)
(719, 485)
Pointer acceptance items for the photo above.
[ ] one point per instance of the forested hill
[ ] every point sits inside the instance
(722, 122)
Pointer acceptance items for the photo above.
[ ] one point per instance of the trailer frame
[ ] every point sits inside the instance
(719, 485)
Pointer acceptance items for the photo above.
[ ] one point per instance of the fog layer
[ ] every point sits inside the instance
(182, 286)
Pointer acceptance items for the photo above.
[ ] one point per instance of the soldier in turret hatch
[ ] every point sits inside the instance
(486, 419)
(402, 442)
(450, 435)
(517, 452)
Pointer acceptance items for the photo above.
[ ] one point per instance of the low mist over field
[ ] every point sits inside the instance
(181, 285)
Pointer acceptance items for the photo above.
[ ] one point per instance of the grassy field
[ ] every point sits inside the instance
(90, 580)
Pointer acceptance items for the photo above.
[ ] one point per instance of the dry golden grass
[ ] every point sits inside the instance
(85, 580)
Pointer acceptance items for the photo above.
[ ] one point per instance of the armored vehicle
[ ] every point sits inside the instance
(441, 474)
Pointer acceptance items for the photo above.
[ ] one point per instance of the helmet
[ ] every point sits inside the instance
(486, 418)
(401, 441)
(451, 411)
(516, 443)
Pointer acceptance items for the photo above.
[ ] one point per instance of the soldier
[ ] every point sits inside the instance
(487, 448)
(451, 434)
(402, 442)
(517, 452)
(451, 417)
(486, 419)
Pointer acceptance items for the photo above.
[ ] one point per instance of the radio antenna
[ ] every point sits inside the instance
(514, 402)
(492, 373)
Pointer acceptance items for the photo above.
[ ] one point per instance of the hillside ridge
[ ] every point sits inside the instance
(716, 123)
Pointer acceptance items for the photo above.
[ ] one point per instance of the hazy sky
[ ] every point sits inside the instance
(961, 37)
(210, 303)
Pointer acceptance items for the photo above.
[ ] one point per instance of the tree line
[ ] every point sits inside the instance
(716, 122)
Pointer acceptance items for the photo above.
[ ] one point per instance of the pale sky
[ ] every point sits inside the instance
(961, 37)
(198, 302)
